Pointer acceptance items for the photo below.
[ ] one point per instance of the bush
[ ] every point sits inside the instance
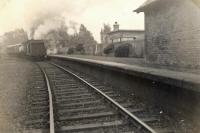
(70, 51)
(122, 51)
(109, 49)
(80, 48)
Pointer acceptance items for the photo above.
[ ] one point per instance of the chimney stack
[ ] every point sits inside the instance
(116, 27)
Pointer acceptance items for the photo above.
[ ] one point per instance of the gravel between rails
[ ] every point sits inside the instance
(83, 119)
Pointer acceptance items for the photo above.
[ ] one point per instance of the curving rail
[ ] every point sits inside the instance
(51, 108)
(123, 111)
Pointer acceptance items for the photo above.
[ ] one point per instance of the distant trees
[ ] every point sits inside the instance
(85, 36)
(77, 42)
(81, 41)
(57, 38)
(14, 37)
(106, 28)
(104, 31)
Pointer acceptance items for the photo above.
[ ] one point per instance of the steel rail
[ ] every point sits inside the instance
(51, 109)
(116, 104)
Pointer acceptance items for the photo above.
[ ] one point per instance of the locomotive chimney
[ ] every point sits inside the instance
(116, 27)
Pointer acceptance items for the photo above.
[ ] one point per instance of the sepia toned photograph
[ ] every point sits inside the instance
(99, 66)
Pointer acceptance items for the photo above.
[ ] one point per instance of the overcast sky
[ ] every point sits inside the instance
(91, 13)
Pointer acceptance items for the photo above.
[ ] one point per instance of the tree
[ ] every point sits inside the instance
(81, 41)
(85, 36)
(106, 28)
(104, 33)
(14, 37)
(57, 37)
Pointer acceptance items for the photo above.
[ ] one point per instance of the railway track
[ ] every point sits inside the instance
(65, 101)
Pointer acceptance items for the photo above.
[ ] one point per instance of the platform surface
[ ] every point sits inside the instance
(183, 78)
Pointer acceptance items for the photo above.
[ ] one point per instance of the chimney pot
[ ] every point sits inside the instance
(116, 27)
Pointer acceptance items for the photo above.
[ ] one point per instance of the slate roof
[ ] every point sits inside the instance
(123, 30)
(145, 4)
(149, 3)
(36, 41)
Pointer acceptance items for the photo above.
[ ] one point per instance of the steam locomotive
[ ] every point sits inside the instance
(34, 49)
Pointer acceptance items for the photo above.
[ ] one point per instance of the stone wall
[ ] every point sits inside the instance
(137, 49)
(173, 34)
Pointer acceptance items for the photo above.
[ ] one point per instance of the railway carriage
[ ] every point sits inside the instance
(33, 49)
(13, 49)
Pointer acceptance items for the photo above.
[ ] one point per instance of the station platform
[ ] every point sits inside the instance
(183, 78)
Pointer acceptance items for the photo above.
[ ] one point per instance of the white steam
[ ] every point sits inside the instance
(39, 16)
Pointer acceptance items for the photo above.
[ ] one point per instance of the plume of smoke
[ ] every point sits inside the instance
(45, 22)
(37, 23)
(32, 15)
(52, 13)
(43, 26)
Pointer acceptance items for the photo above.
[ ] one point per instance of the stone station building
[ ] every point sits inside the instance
(172, 32)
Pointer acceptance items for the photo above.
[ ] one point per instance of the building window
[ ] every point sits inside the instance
(116, 40)
(128, 38)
